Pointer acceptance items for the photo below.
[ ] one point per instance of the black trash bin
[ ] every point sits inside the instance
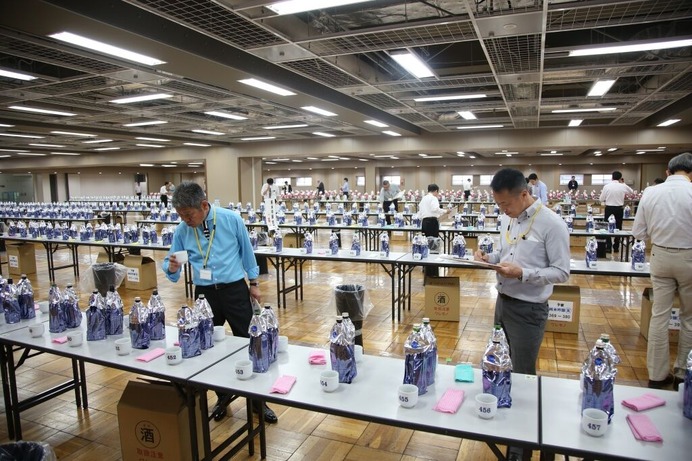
(601, 249)
(26, 451)
(104, 277)
(350, 298)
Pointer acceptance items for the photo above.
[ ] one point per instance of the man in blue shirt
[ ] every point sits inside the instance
(221, 257)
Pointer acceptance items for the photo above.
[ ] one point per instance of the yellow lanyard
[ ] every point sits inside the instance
(521, 236)
(211, 240)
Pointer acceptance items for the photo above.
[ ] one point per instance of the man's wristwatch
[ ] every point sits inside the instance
(254, 284)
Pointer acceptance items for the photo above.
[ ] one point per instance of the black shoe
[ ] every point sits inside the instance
(269, 415)
(662, 384)
(676, 382)
(220, 410)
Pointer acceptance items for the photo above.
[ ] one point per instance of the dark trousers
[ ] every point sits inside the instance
(618, 212)
(385, 206)
(431, 228)
(164, 200)
(229, 304)
(467, 194)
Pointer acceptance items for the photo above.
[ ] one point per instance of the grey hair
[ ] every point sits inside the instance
(682, 162)
(188, 195)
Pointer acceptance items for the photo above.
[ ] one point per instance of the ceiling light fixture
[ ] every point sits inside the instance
(31, 154)
(467, 115)
(376, 123)
(551, 155)
(218, 113)
(168, 166)
(472, 156)
(148, 145)
(142, 98)
(258, 138)
(630, 48)
(473, 127)
(14, 135)
(267, 87)
(283, 127)
(329, 160)
(391, 133)
(142, 138)
(74, 153)
(151, 122)
(213, 133)
(504, 152)
(101, 47)
(13, 150)
(97, 141)
(597, 155)
(319, 111)
(46, 145)
(16, 75)
(601, 87)
(575, 122)
(71, 133)
(300, 6)
(594, 109)
(107, 148)
(38, 110)
(411, 63)
(146, 164)
(669, 122)
(5, 125)
(450, 97)
(363, 160)
(323, 134)
(196, 144)
(612, 149)
(597, 152)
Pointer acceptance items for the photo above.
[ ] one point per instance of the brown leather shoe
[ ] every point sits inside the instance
(662, 384)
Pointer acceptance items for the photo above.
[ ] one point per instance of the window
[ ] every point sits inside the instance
(486, 179)
(360, 180)
(280, 181)
(395, 180)
(304, 182)
(461, 179)
(565, 178)
(600, 179)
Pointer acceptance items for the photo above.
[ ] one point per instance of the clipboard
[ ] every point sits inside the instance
(471, 262)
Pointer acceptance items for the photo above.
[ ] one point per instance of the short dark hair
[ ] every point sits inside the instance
(659, 181)
(270, 181)
(188, 194)
(508, 179)
(617, 175)
(433, 187)
(682, 162)
(533, 177)
(345, 179)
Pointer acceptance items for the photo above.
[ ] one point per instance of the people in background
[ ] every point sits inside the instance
(664, 217)
(287, 188)
(171, 188)
(346, 188)
(659, 181)
(138, 190)
(269, 190)
(429, 210)
(468, 185)
(538, 188)
(613, 197)
(164, 194)
(388, 196)
(573, 185)
(223, 264)
(320, 188)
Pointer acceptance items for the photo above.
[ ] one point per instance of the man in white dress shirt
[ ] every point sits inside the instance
(429, 211)
(613, 197)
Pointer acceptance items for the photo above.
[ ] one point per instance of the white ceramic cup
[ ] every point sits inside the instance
(681, 393)
(486, 405)
(75, 338)
(594, 421)
(243, 369)
(219, 333)
(329, 380)
(37, 330)
(123, 346)
(43, 307)
(181, 256)
(283, 344)
(358, 352)
(408, 395)
(174, 355)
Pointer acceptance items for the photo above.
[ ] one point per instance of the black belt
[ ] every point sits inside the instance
(672, 248)
(216, 286)
(509, 298)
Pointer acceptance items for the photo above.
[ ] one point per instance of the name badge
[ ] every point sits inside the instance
(205, 274)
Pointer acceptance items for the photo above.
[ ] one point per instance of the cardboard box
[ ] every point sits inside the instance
(647, 305)
(564, 308)
(442, 298)
(293, 240)
(399, 236)
(103, 257)
(141, 272)
(21, 258)
(154, 424)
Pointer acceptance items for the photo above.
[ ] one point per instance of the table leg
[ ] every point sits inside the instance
(14, 398)
(5, 350)
(76, 377)
(83, 385)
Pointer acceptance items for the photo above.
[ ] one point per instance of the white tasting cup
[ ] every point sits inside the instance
(37, 330)
(329, 380)
(594, 421)
(358, 352)
(174, 355)
(181, 256)
(219, 333)
(75, 338)
(123, 346)
(408, 395)
(486, 405)
(283, 344)
(243, 369)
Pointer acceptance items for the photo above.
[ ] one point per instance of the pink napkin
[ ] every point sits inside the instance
(60, 340)
(450, 401)
(152, 354)
(36, 306)
(644, 402)
(643, 428)
(318, 358)
(283, 384)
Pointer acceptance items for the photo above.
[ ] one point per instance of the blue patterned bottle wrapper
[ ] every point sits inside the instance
(114, 321)
(206, 333)
(96, 324)
(498, 383)
(73, 316)
(458, 250)
(157, 325)
(259, 353)
(190, 342)
(56, 318)
(26, 306)
(414, 371)
(598, 393)
(12, 311)
(140, 335)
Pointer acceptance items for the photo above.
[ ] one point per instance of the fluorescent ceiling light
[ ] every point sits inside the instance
(5, 156)
(5, 125)
(434, 156)
(151, 122)
(597, 152)
(282, 127)
(215, 133)
(146, 164)
(169, 166)
(97, 141)
(217, 113)
(196, 144)
(601, 87)
(504, 152)
(267, 87)
(472, 156)
(593, 109)
(31, 154)
(148, 145)
(107, 148)
(467, 115)
(142, 98)
(551, 155)
(450, 97)
(669, 122)
(461, 154)
(16, 75)
(13, 150)
(575, 122)
(597, 155)
(376, 123)
(194, 165)
(319, 111)
(363, 160)
(473, 127)
(106, 48)
(312, 158)
(258, 138)
(281, 159)
(391, 133)
(411, 63)
(38, 110)
(270, 163)
(74, 153)
(46, 145)
(330, 160)
(630, 48)
(299, 6)
(142, 138)
(324, 135)
(612, 149)
(71, 133)
(13, 135)
(297, 161)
